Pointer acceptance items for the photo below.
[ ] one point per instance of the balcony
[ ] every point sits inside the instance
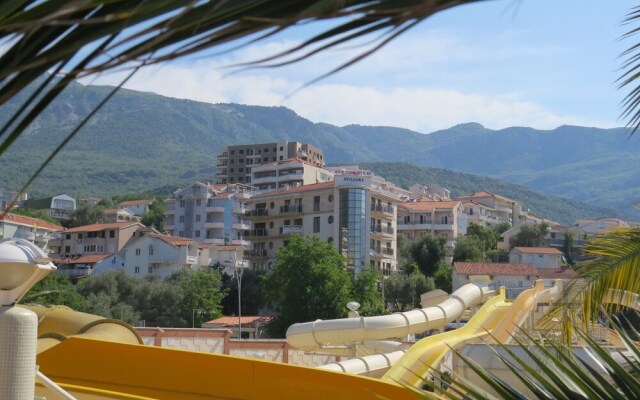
(291, 229)
(170, 209)
(242, 226)
(291, 209)
(218, 225)
(214, 239)
(240, 210)
(260, 212)
(255, 253)
(222, 172)
(425, 227)
(192, 259)
(381, 252)
(382, 209)
(214, 209)
(257, 233)
(383, 231)
(75, 272)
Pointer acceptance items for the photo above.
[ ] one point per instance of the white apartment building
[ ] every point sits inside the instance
(288, 173)
(353, 212)
(159, 255)
(444, 219)
(435, 191)
(209, 213)
(486, 208)
(136, 207)
(236, 163)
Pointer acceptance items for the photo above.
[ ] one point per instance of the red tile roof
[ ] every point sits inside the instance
(549, 273)
(100, 227)
(479, 268)
(428, 205)
(29, 221)
(303, 188)
(538, 250)
(217, 188)
(485, 193)
(173, 240)
(233, 321)
(134, 203)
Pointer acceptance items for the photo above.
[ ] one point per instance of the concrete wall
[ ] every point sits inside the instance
(219, 341)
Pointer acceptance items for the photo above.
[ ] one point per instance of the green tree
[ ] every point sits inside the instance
(487, 236)
(365, 291)
(530, 236)
(86, 214)
(253, 299)
(402, 291)
(40, 214)
(202, 294)
(427, 252)
(567, 247)
(55, 289)
(309, 282)
(468, 248)
(443, 277)
(155, 216)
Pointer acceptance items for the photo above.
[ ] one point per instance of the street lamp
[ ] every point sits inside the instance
(238, 268)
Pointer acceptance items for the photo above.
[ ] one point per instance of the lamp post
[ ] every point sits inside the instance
(238, 268)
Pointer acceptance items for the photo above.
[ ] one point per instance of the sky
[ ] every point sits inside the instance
(501, 63)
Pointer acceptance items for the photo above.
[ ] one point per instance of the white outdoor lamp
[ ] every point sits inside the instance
(353, 309)
(22, 264)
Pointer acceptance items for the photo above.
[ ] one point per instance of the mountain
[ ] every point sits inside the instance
(140, 141)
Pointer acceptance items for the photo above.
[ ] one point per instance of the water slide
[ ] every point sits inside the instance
(496, 319)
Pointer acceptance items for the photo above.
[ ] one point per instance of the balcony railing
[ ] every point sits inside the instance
(291, 229)
(291, 209)
(387, 230)
(260, 212)
(258, 233)
(255, 253)
(75, 272)
(380, 208)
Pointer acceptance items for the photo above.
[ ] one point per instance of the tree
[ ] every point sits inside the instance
(55, 289)
(365, 291)
(443, 278)
(155, 217)
(86, 214)
(402, 291)
(427, 252)
(309, 282)
(202, 294)
(487, 236)
(530, 236)
(567, 247)
(468, 248)
(253, 299)
(40, 214)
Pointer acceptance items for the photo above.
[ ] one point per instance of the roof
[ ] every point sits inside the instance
(485, 193)
(84, 259)
(228, 247)
(233, 321)
(134, 203)
(217, 188)
(429, 205)
(538, 250)
(172, 240)
(563, 273)
(479, 268)
(101, 227)
(303, 188)
(29, 221)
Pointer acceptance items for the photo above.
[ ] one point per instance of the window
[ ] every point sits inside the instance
(330, 198)
(68, 236)
(150, 249)
(316, 224)
(198, 203)
(281, 148)
(241, 161)
(138, 252)
(182, 218)
(316, 203)
(182, 203)
(198, 217)
(198, 233)
(150, 270)
(233, 152)
(181, 233)
(330, 219)
(241, 151)
(136, 270)
(80, 235)
(330, 240)
(67, 249)
(240, 169)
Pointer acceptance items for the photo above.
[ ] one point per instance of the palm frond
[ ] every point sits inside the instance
(631, 73)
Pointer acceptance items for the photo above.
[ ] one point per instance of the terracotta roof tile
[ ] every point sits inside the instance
(84, 259)
(479, 268)
(538, 250)
(172, 240)
(428, 205)
(29, 221)
(100, 227)
(134, 203)
(563, 273)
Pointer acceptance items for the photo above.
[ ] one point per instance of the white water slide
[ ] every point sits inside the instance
(340, 336)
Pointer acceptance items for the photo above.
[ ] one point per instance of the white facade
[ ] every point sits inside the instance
(540, 257)
(136, 207)
(288, 173)
(34, 230)
(159, 255)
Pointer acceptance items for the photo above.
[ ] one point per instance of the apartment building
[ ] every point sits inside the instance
(353, 212)
(432, 190)
(209, 213)
(288, 173)
(82, 248)
(136, 207)
(34, 230)
(444, 219)
(486, 208)
(159, 255)
(235, 163)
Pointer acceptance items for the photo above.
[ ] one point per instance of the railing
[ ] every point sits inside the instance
(381, 208)
(258, 233)
(384, 230)
(75, 273)
(291, 229)
(260, 212)
(221, 172)
(256, 253)
(264, 175)
(215, 209)
(296, 208)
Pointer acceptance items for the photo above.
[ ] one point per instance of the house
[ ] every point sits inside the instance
(32, 229)
(159, 255)
(59, 207)
(540, 257)
(119, 215)
(252, 326)
(88, 265)
(516, 277)
(136, 207)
